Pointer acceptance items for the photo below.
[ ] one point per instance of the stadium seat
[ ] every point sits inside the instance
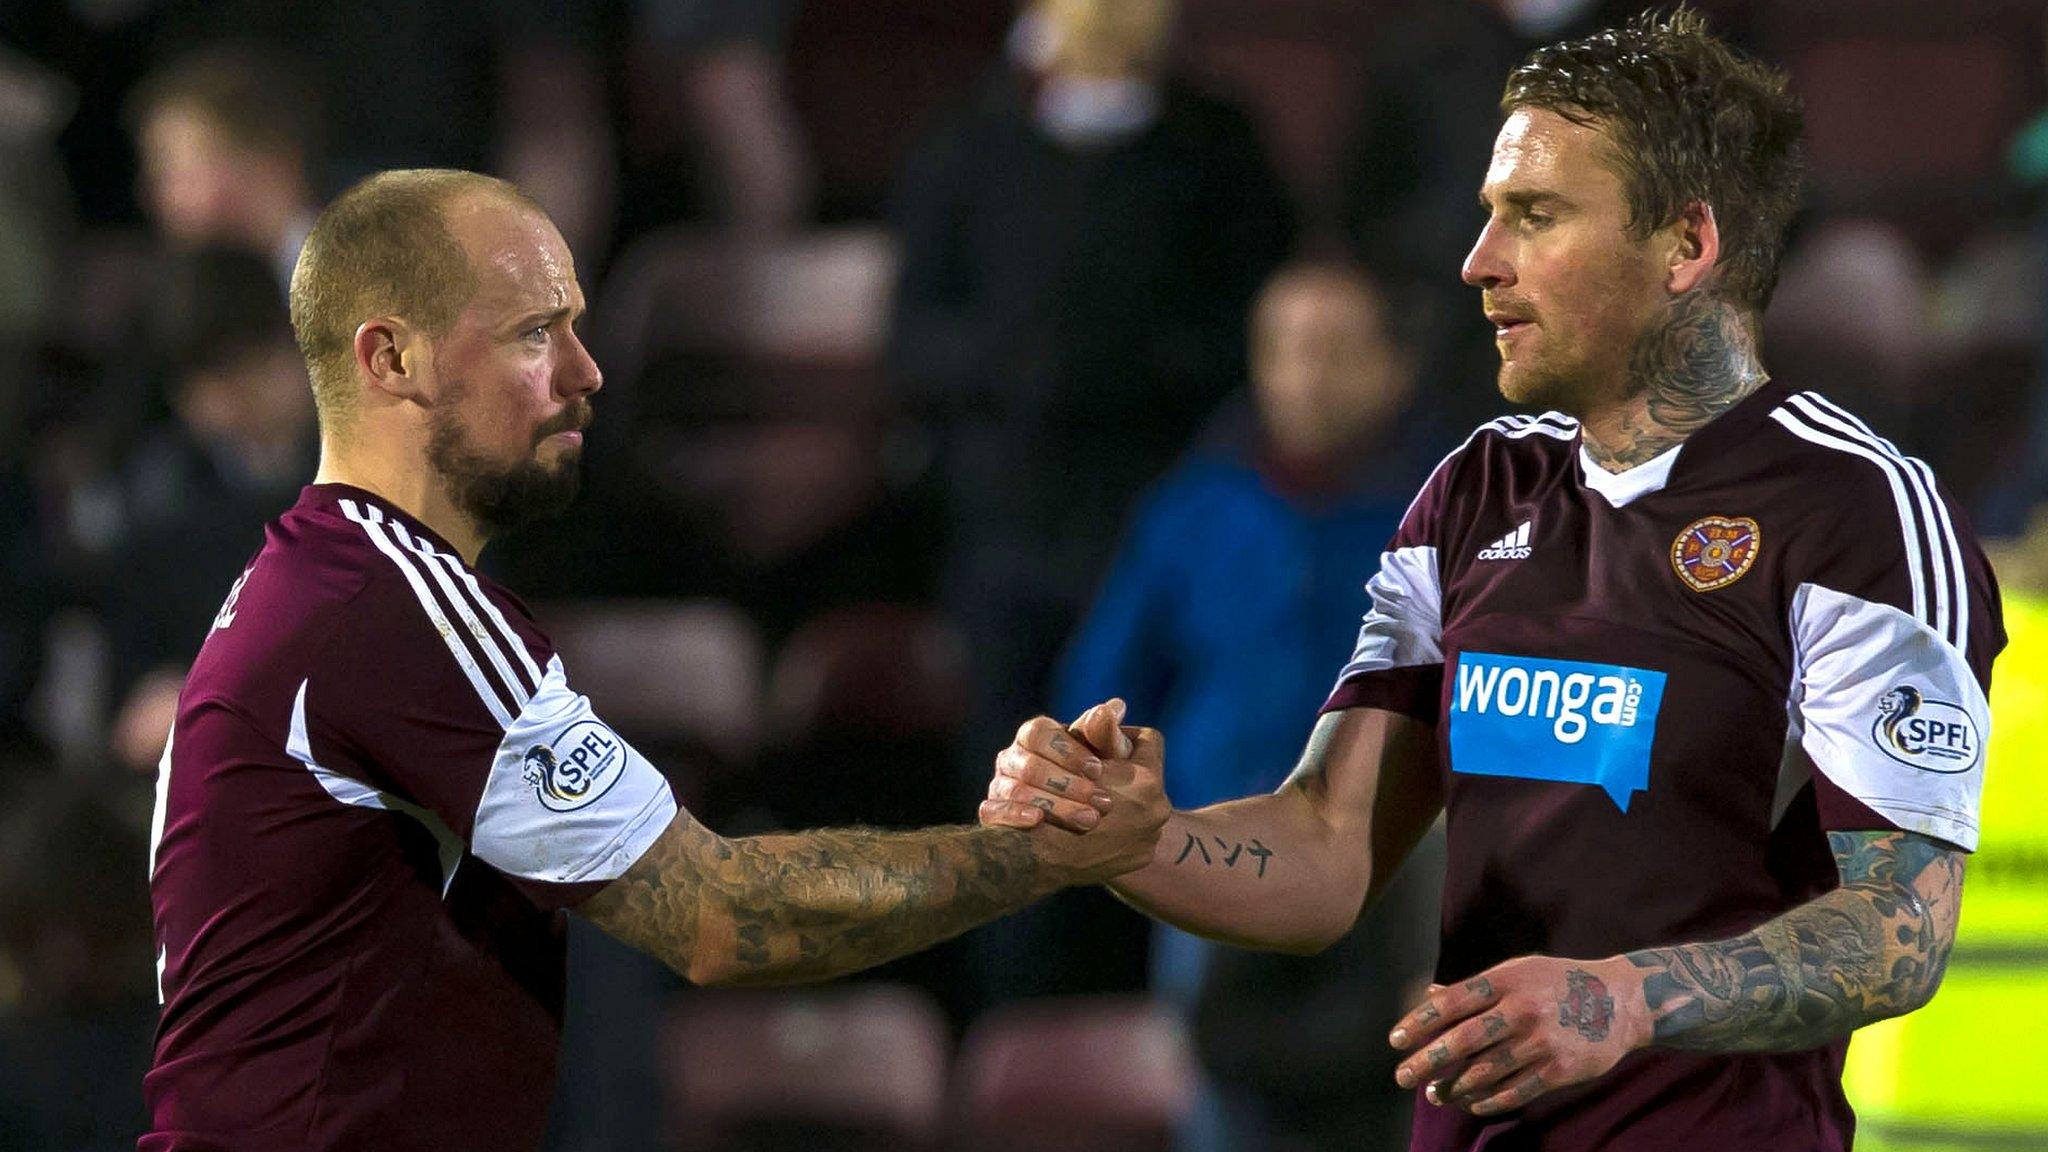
(848, 1070)
(818, 299)
(868, 80)
(675, 673)
(864, 705)
(748, 373)
(889, 669)
(1950, 123)
(1082, 1074)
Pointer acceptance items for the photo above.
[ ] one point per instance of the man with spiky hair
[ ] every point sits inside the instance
(1694, 665)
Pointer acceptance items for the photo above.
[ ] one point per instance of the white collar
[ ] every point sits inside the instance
(1620, 488)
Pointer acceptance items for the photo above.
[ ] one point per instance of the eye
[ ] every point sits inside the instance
(1536, 221)
(535, 335)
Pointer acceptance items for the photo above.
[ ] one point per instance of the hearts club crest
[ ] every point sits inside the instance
(1715, 551)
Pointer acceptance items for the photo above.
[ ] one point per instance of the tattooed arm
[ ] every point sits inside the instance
(1874, 948)
(813, 905)
(1289, 871)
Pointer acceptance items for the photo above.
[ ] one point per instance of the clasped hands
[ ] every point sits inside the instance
(1093, 791)
(1489, 1045)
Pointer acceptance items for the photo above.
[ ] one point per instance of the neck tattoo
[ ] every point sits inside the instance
(1691, 366)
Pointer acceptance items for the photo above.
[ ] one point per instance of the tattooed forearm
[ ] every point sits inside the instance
(1695, 363)
(812, 905)
(1873, 948)
(1215, 851)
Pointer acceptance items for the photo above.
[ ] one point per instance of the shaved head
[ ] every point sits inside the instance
(383, 248)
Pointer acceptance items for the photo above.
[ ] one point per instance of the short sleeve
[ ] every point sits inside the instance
(1398, 662)
(1894, 621)
(444, 698)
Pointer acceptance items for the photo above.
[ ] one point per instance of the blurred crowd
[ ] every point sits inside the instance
(964, 361)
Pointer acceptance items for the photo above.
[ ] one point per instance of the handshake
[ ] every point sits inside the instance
(1092, 794)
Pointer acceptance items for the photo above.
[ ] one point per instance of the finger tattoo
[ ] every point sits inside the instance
(1496, 1025)
(1480, 986)
(1057, 784)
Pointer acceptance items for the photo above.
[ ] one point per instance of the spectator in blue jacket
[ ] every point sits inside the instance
(1237, 596)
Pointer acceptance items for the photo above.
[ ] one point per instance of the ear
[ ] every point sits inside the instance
(389, 356)
(1695, 247)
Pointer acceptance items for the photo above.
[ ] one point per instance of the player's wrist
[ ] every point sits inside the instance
(1632, 1016)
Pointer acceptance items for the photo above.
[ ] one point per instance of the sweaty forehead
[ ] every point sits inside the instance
(520, 260)
(1541, 151)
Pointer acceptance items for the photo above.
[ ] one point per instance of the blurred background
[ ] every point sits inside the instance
(965, 359)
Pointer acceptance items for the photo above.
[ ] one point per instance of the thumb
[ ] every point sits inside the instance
(1147, 746)
(1099, 728)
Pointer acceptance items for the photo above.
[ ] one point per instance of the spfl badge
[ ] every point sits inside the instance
(1714, 551)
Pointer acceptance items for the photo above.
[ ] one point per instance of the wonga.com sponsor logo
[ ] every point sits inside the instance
(1558, 720)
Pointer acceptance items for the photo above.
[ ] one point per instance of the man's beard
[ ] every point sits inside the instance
(1534, 387)
(501, 498)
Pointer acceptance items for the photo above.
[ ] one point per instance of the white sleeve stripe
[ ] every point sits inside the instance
(1823, 421)
(371, 521)
(299, 746)
(355, 793)
(1950, 542)
(1941, 552)
(1916, 554)
(512, 640)
(488, 642)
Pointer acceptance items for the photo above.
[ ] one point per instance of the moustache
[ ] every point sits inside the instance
(575, 418)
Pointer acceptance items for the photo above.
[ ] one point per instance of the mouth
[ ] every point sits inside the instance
(572, 434)
(1506, 325)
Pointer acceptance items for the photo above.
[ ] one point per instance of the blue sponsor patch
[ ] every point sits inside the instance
(1557, 720)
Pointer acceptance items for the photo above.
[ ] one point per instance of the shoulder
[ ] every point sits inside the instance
(1501, 455)
(1825, 441)
(422, 605)
(1542, 439)
(1877, 523)
(1852, 482)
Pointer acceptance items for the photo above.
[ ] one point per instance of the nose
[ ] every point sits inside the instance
(576, 373)
(1487, 265)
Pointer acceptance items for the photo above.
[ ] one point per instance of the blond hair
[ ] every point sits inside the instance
(382, 248)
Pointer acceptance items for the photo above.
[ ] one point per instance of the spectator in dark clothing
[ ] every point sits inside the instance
(78, 1004)
(713, 127)
(197, 491)
(1426, 124)
(1080, 246)
(1235, 595)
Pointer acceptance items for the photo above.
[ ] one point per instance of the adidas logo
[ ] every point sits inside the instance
(1513, 546)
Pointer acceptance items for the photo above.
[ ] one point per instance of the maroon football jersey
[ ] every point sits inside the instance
(379, 795)
(1654, 693)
